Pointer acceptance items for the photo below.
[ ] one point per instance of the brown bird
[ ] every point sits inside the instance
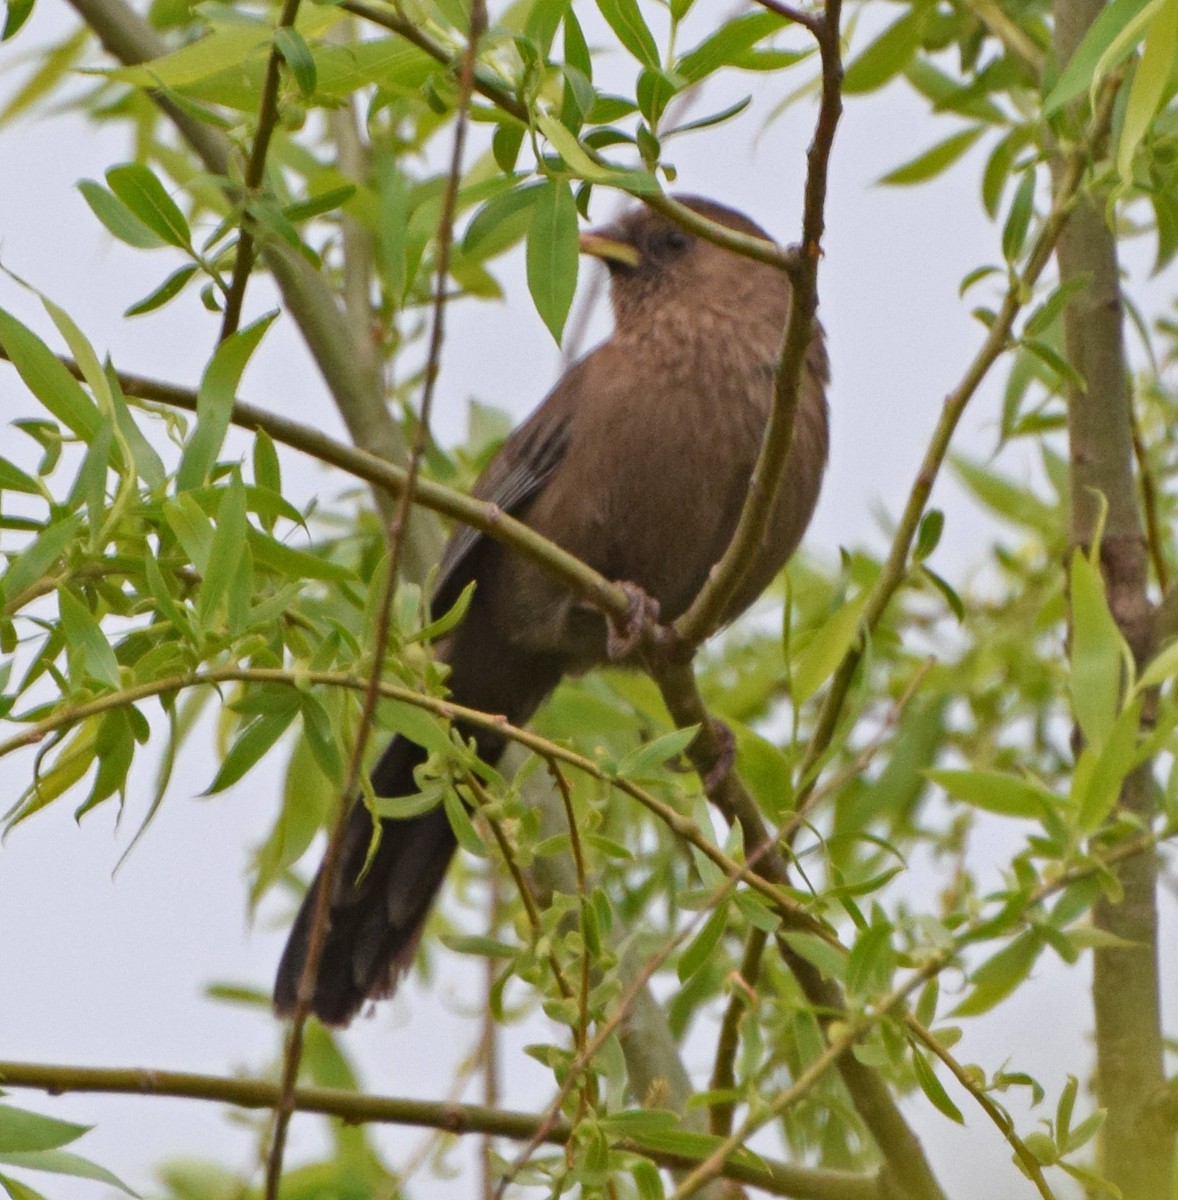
(638, 462)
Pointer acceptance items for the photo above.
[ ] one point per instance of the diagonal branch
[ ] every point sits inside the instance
(255, 172)
(306, 295)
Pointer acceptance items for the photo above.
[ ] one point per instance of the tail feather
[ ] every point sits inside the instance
(375, 916)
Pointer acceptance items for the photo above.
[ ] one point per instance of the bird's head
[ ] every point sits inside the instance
(654, 263)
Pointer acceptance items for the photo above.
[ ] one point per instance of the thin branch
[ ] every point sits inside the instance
(317, 937)
(744, 995)
(1030, 1164)
(393, 480)
(997, 339)
(777, 1178)
(255, 172)
(709, 607)
(306, 295)
(505, 100)
(684, 827)
(808, 20)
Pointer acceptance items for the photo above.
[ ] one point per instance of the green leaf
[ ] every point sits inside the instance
(39, 557)
(933, 1088)
(701, 948)
(48, 380)
(13, 479)
(297, 55)
(1078, 76)
(725, 46)
(828, 647)
(192, 528)
(228, 546)
(993, 792)
(651, 757)
(1150, 81)
(625, 19)
(1116, 758)
(1097, 654)
(1018, 221)
(22, 1132)
(144, 195)
(214, 402)
(935, 160)
(501, 222)
(1164, 666)
(996, 978)
(294, 564)
(63, 1162)
(255, 740)
(168, 290)
(19, 1191)
(83, 635)
(1044, 317)
(888, 55)
(317, 205)
(928, 537)
(552, 254)
(118, 218)
(18, 13)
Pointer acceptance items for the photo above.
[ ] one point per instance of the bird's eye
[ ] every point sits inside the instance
(676, 239)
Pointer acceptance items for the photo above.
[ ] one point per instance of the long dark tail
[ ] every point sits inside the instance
(375, 919)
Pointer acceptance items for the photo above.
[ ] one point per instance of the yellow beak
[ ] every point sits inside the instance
(610, 249)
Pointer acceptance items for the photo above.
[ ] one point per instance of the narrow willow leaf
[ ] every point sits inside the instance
(1150, 80)
(1045, 315)
(655, 754)
(168, 290)
(994, 792)
(725, 46)
(1116, 758)
(36, 560)
(935, 160)
(625, 19)
(996, 978)
(888, 55)
(297, 55)
(228, 546)
(63, 1162)
(933, 1088)
(1080, 73)
(1097, 653)
(118, 219)
(1018, 220)
(145, 196)
(823, 653)
(552, 254)
(22, 1132)
(13, 479)
(83, 635)
(18, 13)
(701, 948)
(214, 402)
(48, 380)
(255, 741)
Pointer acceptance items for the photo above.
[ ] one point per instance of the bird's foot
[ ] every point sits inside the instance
(725, 759)
(624, 636)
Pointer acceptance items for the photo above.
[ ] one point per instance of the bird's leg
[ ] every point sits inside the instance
(623, 637)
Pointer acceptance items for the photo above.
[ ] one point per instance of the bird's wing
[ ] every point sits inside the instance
(524, 464)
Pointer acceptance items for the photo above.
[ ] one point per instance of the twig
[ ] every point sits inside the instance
(744, 992)
(895, 567)
(1005, 1125)
(777, 1178)
(708, 608)
(684, 827)
(393, 480)
(331, 861)
(255, 172)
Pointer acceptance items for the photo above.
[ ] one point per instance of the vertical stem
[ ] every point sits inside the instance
(1135, 1151)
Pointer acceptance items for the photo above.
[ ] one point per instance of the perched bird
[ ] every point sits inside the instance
(638, 462)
